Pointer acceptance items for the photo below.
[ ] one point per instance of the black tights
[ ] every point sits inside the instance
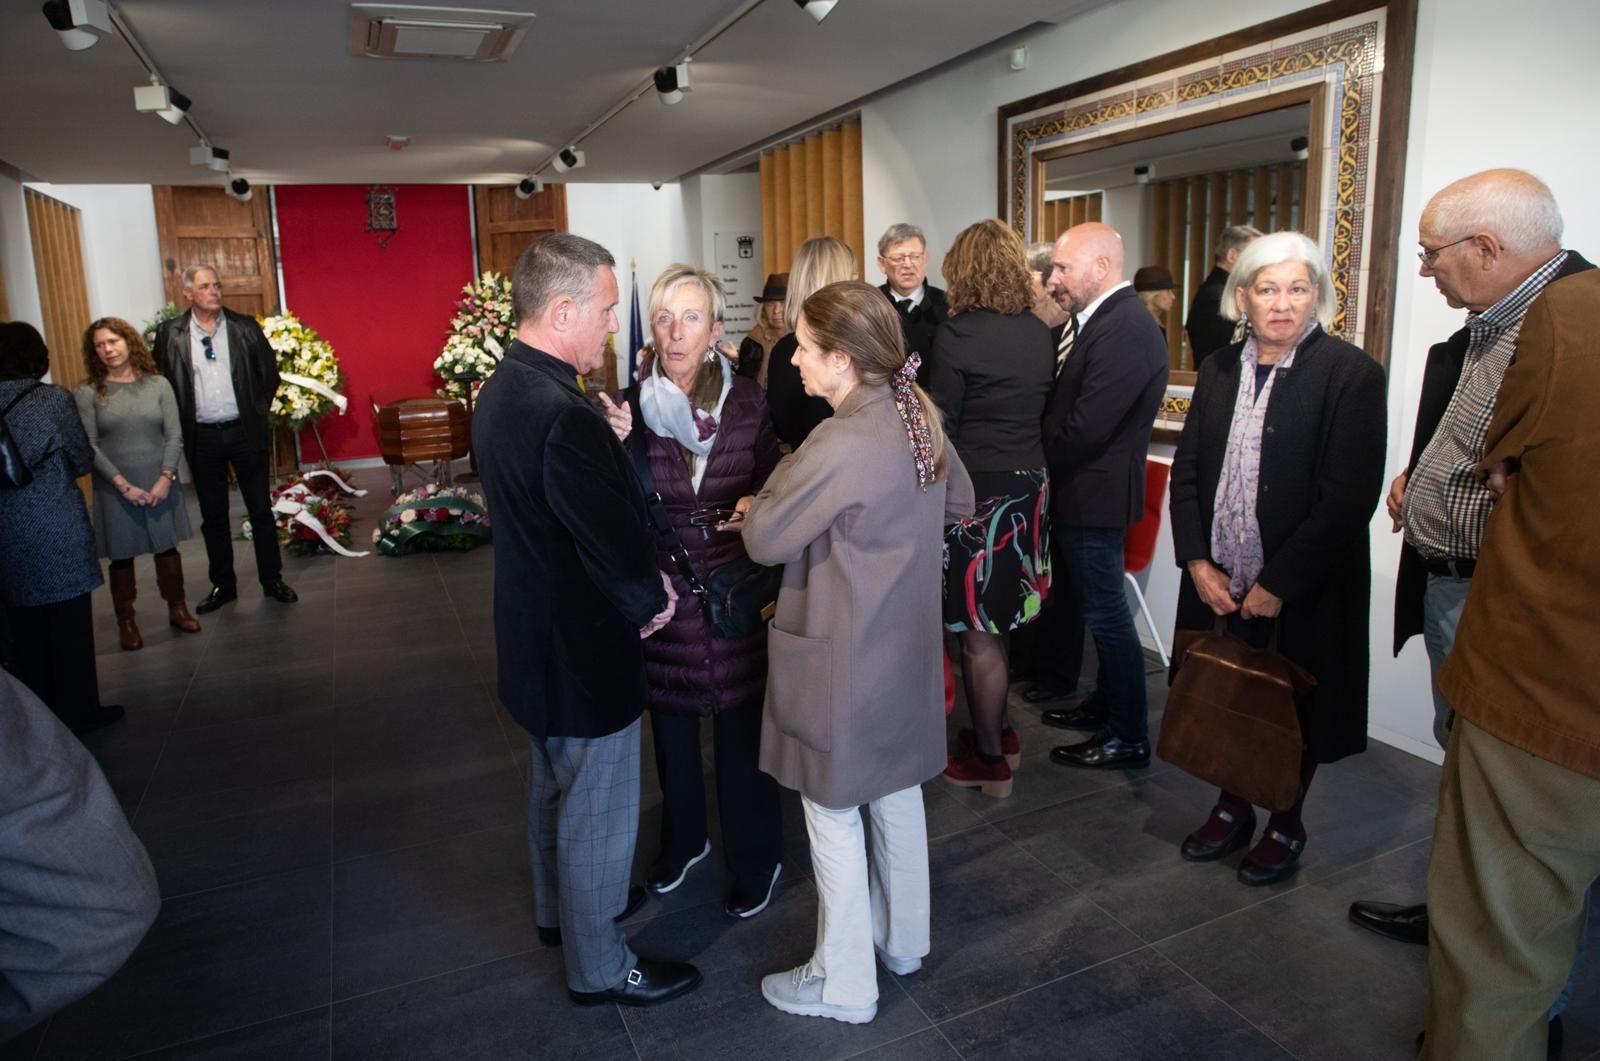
(983, 674)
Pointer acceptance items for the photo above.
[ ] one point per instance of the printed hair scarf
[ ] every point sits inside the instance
(668, 412)
(1235, 531)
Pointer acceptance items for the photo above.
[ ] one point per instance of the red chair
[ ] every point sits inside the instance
(1139, 545)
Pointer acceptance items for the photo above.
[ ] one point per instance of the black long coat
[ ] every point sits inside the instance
(251, 361)
(1322, 456)
(575, 573)
(691, 671)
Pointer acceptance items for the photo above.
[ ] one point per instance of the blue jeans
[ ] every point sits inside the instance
(1093, 557)
(1442, 603)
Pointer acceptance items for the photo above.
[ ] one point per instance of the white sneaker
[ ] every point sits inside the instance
(799, 991)
(898, 966)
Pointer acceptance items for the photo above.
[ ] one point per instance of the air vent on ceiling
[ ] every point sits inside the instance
(414, 31)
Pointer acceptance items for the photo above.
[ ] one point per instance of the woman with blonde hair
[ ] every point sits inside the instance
(819, 262)
(129, 411)
(702, 436)
(993, 365)
(855, 707)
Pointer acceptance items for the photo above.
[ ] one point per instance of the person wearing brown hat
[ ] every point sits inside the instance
(769, 328)
(1155, 288)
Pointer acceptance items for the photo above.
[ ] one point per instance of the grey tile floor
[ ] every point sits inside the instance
(334, 804)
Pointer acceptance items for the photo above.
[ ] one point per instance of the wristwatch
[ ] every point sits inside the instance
(170, 474)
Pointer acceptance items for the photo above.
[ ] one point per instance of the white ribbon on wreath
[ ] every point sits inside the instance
(314, 385)
(292, 503)
(342, 485)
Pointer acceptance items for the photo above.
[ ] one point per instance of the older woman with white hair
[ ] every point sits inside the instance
(1277, 474)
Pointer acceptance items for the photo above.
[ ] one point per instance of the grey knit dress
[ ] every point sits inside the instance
(135, 434)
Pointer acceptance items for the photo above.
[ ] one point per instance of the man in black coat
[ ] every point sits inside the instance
(903, 259)
(224, 375)
(1491, 243)
(1111, 374)
(1209, 331)
(575, 585)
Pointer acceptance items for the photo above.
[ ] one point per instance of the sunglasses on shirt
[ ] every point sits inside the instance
(211, 351)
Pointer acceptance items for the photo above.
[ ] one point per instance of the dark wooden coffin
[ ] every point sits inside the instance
(422, 429)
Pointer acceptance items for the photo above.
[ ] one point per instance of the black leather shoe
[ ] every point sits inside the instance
(1196, 849)
(665, 876)
(215, 599)
(1103, 750)
(650, 983)
(1408, 924)
(280, 592)
(1090, 715)
(1256, 873)
(1044, 692)
(551, 937)
(748, 902)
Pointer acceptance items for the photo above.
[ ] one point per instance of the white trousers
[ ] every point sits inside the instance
(859, 906)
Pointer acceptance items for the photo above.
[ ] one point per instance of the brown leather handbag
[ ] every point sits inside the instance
(1231, 716)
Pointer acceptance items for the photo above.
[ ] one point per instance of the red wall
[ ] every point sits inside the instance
(386, 310)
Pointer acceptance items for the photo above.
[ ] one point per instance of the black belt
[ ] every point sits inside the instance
(220, 425)
(1449, 565)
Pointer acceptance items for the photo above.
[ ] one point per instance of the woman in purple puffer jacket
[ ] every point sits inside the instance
(709, 441)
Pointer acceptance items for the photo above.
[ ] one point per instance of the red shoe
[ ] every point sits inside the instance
(969, 771)
(1010, 746)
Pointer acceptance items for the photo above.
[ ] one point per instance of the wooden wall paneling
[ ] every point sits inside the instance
(770, 255)
(833, 187)
(797, 195)
(1199, 251)
(1283, 198)
(1160, 226)
(1305, 218)
(1096, 207)
(1239, 198)
(780, 194)
(204, 225)
(853, 214)
(507, 224)
(1261, 199)
(1216, 207)
(815, 183)
(63, 291)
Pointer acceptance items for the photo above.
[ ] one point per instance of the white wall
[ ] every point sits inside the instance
(635, 222)
(929, 156)
(16, 255)
(121, 253)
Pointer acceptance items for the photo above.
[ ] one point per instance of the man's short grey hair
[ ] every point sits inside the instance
(195, 270)
(1235, 236)
(1514, 205)
(1277, 249)
(1039, 255)
(556, 265)
(899, 234)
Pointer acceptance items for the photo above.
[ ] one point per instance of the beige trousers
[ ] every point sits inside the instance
(1516, 847)
(861, 905)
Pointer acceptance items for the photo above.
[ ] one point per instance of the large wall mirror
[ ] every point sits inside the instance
(1299, 123)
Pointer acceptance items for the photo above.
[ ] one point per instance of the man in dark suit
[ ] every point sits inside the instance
(1110, 376)
(1209, 331)
(224, 375)
(575, 585)
(903, 259)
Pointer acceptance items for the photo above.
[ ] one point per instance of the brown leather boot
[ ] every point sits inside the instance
(169, 579)
(122, 595)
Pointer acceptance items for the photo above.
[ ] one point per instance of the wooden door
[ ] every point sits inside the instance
(507, 224)
(207, 226)
(63, 290)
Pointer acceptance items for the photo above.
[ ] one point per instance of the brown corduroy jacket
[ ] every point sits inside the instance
(1528, 649)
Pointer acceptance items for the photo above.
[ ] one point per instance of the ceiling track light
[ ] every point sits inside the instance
(240, 189)
(163, 100)
(817, 9)
(1300, 145)
(569, 158)
(672, 82)
(528, 187)
(203, 154)
(79, 23)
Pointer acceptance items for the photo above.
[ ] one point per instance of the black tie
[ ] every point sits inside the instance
(904, 306)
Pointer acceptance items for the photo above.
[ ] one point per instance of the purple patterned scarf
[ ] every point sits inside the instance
(909, 406)
(1235, 531)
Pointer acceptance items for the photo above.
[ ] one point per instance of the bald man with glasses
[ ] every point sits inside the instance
(224, 374)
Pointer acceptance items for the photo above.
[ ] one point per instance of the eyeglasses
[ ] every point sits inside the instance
(1427, 256)
(211, 352)
(904, 259)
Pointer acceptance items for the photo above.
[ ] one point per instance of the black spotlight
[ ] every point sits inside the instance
(1299, 146)
(239, 188)
(672, 82)
(569, 158)
(528, 187)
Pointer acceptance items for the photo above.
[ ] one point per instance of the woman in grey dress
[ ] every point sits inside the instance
(131, 416)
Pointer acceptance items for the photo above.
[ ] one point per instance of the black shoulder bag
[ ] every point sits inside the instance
(739, 597)
(14, 471)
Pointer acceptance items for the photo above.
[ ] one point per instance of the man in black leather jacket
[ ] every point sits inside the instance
(224, 374)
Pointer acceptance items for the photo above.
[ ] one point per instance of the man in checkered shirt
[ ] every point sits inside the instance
(1490, 243)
